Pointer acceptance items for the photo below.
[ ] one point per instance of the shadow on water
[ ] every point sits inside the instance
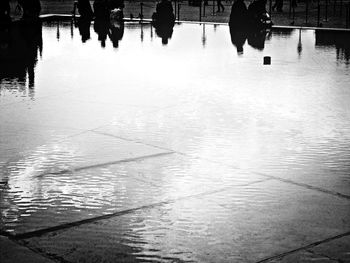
(19, 46)
(339, 40)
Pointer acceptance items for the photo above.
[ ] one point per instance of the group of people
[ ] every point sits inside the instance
(108, 16)
(253, 17)
(30, 10)
(101, 8)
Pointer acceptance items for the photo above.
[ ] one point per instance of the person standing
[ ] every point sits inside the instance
(220, 6)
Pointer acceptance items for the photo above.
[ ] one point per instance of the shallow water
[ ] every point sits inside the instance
(89, 130)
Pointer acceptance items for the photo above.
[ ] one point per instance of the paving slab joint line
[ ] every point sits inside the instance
(44, 231)
(82, 168)
(282, 255)
(308, 186)
(322, 255)
(319, 189)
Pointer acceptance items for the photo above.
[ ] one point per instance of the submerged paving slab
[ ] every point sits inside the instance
(337, 250)
(241, 224)
(11, 252)
(36, 202)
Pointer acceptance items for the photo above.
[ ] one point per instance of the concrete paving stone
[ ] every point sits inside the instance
(82, 194)
(69, 114)
(242, 224)
(11, 252)
(18, 138)
(337, 250)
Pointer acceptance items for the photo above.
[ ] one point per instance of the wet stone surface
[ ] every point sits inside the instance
(244, 223)
(190, 151)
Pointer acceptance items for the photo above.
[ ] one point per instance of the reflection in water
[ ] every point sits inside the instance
(238, 38)
(256, 38)
(339, 40)
(84, 28)
(165, 32)
(19, 46)
(300, 46)
(116, 32)
(283, 32)
(230, 111)
(101, 27)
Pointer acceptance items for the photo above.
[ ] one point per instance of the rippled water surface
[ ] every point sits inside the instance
(91, 126)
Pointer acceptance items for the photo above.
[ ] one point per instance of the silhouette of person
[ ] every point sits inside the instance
(5, 12)
(256, 11)
(112, 4)
(116, 32)
(238, 38)
(101, 27)
(101, 9)
(20, 46)
(31, 9)
(220, 6)
(165, 32)
(84, 28)
(239, 15)
(85, 9)
(279, 5)
(164, 13)
(256, 39)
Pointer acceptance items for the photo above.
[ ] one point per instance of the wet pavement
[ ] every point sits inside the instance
(190, 151)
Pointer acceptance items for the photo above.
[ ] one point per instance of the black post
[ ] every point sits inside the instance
(141, 14)
(334, 6)
(200, 10)
(306, 11)
(204, 8)
(293, 15)
(290, 8)
(318, 12)
(348, 16)
(270, 8)
(326, 14)
(213, 7)
(175, 8)
(74, 8)
(178, 11)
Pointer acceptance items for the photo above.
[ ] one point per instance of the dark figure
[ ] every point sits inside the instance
(85, 9)
(116, 16)
(164, 13)
(4, 12)
(238, 38)
(258, 16)
(256, 39)
(101, 27)
(112, 4)
(116, 32)
(279, 5)
(31, 9)
(239, 15)
(19, 56)
(165, 32)
(84, 28)
(220, 6)
(101, 9)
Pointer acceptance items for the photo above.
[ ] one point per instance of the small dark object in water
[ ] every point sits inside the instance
(267, 60)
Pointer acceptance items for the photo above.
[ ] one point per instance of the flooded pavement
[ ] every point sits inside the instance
(121, 146)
